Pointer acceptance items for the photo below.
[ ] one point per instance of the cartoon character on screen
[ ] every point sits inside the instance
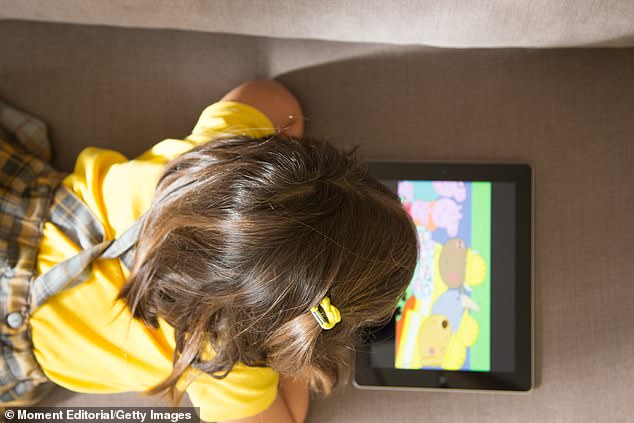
(451, 189)
(439, 346)
(443, 212)
(446, 334)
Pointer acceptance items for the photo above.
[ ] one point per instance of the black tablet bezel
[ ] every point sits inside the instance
(522, 379)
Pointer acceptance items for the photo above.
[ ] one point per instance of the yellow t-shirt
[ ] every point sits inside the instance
(86, 341)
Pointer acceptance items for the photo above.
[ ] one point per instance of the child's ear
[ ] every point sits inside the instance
(275, 101)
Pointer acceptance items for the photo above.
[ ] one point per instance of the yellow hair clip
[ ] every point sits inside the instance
(332, 314)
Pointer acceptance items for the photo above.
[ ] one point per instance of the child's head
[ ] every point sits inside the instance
(245, 235)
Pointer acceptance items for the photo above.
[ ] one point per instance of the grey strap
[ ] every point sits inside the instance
(73, 217)
(76, 269)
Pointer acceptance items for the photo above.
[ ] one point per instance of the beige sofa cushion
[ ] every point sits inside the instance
(568, 113)
(449, 23)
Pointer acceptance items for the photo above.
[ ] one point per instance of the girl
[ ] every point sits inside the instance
(256, 257)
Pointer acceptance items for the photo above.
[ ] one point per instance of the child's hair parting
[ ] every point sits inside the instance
(245, 235)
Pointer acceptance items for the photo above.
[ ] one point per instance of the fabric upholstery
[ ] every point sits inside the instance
(568, 113)
(449, 23)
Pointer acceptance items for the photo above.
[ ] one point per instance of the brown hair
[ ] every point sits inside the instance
(245, 235)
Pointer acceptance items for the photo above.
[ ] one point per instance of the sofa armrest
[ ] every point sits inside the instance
(451, 23)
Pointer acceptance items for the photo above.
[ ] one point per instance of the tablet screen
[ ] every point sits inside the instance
(466, 320)
(458, 312)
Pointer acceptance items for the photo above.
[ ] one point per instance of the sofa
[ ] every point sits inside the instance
(548, 83)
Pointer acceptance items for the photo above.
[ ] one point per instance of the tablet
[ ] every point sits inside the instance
(466, 320)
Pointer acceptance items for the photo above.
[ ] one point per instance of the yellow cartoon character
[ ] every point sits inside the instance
(439, 336)
(438, 346)
(431, 342)
(459, 341)
(459, 269)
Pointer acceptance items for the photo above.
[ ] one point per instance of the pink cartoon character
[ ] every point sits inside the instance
(451, 189)
(446, 214)
(421, 214)
(406, 191)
